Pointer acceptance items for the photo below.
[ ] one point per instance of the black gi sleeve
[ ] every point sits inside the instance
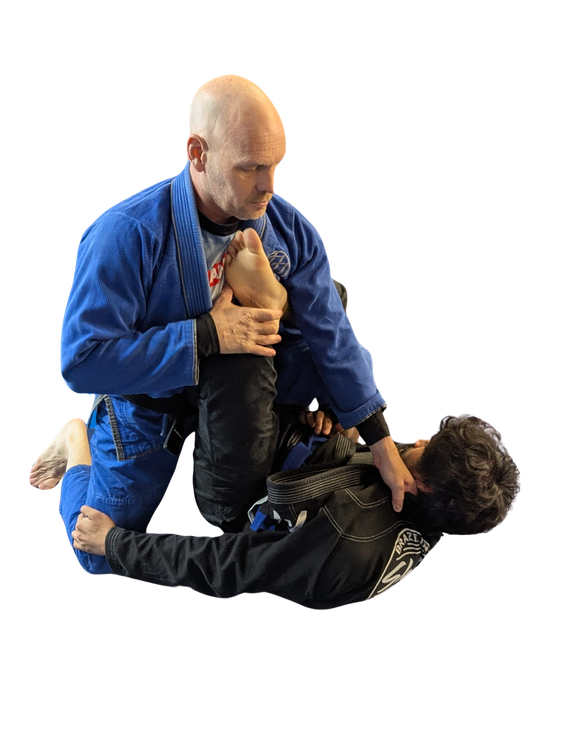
(207, 342)
(374, 428)
(277, 562)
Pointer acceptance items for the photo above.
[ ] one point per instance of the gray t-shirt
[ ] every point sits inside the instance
(216, 239)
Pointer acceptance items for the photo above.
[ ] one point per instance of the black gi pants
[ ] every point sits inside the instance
(236, 435)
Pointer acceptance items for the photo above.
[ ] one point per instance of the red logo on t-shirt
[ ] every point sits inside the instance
(216, 272)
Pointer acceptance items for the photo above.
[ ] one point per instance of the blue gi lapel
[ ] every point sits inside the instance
(190, 251)
(192, 263)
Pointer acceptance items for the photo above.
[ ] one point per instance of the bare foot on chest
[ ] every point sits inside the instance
(249, 273)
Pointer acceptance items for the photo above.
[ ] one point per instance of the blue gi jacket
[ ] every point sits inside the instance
(141, 280)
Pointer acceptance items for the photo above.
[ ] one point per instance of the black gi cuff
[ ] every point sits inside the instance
(207, 341)
(374, 428)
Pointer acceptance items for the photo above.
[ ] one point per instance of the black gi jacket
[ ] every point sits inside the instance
(352, 546)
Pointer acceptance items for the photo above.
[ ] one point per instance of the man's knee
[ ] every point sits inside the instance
(94, 564)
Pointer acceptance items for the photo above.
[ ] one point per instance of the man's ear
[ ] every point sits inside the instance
(197, 148)
(421, 486)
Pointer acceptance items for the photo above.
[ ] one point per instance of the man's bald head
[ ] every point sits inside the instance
(228, 104)
(237, 140)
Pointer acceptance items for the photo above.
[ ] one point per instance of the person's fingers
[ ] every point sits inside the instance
(266, 340)
(397, 498)
(410, 485)
(310, 419)
(321, 423)
(262, 351)
(262, 314)
(267, 329)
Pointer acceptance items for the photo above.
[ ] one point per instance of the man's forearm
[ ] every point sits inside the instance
(159, 359)
(374, 428)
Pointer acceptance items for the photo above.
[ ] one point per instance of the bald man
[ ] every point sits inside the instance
(149, 323)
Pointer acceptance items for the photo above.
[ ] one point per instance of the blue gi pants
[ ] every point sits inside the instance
(231, 411)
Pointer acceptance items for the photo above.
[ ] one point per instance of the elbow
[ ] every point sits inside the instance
(78, 378)
(82, 369)
(67, 376)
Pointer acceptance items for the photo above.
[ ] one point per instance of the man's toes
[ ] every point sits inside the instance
(252, 241)
(237, 244)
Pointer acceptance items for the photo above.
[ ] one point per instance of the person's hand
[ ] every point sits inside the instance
(245, 330)
(91, 529)
(322, 424)
(319, 421)
(393, 471)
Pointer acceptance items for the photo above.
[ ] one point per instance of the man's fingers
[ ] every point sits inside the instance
(262, 314)
(319, 421)
(266, 340)
(243, 330)
(398, 499)
(267, 328)
(398, 492)
(410, 485)
(262, 351)
(77, 542)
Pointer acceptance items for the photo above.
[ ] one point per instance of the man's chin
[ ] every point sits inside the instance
(253, 211)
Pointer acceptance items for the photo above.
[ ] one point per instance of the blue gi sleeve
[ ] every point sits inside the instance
(104, 347)
(337, 355)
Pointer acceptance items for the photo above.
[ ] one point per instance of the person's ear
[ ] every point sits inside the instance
(196, 149)
(421, 443)
(421, 486)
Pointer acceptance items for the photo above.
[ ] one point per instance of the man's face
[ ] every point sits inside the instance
(240, 170)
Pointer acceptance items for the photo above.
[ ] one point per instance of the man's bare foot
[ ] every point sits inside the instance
(70, 447)
(249, 273)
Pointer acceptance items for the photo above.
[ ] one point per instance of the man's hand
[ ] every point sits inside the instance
(322, 424)
(245, 330)
(90, 531)
(392, 469)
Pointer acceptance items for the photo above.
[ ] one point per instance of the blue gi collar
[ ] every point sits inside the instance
(190, 249)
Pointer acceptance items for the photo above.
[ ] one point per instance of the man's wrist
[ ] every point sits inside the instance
(374, 428)
(382, 447)
(207, 341)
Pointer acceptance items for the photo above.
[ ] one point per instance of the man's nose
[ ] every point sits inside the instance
(266, 181)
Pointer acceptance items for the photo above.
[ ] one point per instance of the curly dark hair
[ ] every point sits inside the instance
(472, 478)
